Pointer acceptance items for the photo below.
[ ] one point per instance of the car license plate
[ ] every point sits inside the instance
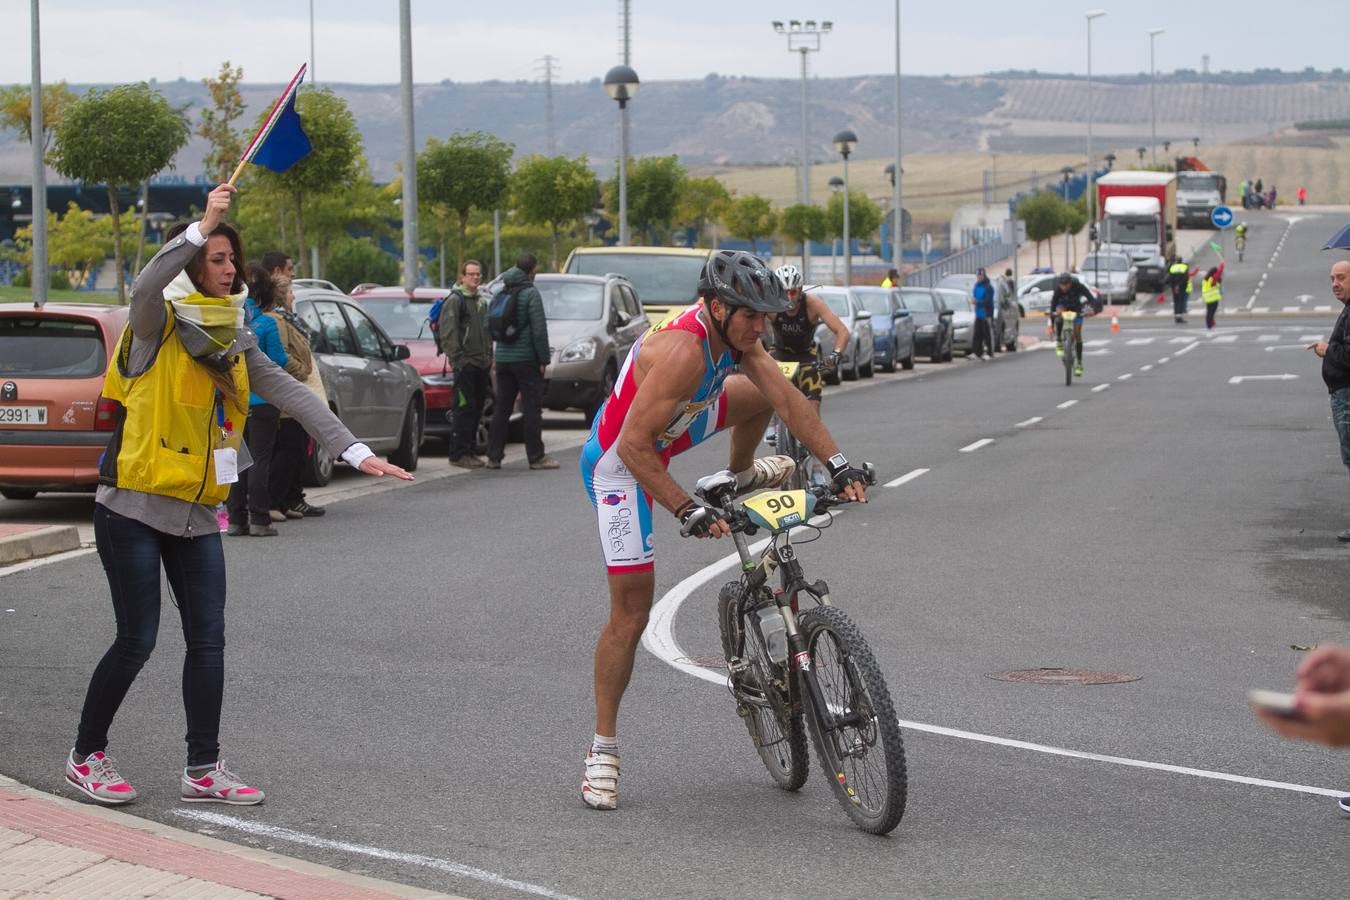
(23, 415)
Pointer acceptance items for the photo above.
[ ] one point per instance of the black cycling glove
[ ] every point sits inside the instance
(832, 361)
(697, 520)
(843, 474)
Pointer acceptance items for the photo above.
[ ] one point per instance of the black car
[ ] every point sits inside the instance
(932, 322)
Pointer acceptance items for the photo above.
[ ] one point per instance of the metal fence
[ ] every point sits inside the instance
(968, 260)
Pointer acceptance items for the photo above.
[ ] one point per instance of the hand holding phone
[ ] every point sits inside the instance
(1275, 703)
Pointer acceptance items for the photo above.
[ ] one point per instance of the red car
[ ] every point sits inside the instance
(54, 423)
(403, 316)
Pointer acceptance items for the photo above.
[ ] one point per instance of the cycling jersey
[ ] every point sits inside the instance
(1072, 298)
(796, 334)
(623, 508)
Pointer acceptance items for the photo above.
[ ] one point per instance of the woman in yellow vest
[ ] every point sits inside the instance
(182, 373)
(1211, 291)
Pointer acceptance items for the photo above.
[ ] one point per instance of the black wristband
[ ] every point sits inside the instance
(686, 508)
(836, 464)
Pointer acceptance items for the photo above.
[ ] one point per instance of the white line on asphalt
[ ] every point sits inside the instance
(1224, 339)
(1238, 379)
(1032, 421)
(1189, 347)
(971, 448)
(1291, 309)
(1099, 388)
(1321, 309)
(261, 829)
(1261, 309)
(1164, 361)
(1267, 338)
(1146, 368)
(1309, 337)
(1097, 343)
(908, 476)
(1183, 340)
(1066, 404)
(1135, 342)
(45, 561)
(659, 639)
(1126, 377)
(1274, 347)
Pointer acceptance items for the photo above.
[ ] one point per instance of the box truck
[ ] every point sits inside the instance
(1139, 218)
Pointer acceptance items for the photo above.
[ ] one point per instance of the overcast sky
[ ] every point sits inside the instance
(357, 40)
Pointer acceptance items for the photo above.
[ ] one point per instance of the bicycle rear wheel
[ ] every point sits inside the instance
(857, 736)
(787, 445)
(763, 697)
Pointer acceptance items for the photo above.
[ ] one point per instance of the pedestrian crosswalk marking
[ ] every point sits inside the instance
(1225, 339)
(1136, 342)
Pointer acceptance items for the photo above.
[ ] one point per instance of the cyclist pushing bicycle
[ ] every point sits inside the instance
(676, 390)
(1069, 294)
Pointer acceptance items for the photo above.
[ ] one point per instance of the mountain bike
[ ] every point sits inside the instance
(1068, 343)
(785, 444)
(1240, 245)
(791, 672)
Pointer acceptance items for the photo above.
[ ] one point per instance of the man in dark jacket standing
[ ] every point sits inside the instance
(983, 294)
(520, 369)
(1335, 354)
(465, 343)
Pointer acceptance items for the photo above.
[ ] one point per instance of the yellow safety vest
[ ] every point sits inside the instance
(173, 421)
(1210, 291)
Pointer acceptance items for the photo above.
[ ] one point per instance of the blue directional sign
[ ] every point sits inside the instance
(1222, 217)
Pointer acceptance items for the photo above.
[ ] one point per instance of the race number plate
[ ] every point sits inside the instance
(780, 510)
(789, 369)
(23, 415)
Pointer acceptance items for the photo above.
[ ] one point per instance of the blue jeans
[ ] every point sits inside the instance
(132, 553)
(1340, 417)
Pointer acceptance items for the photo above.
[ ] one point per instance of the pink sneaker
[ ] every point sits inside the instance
(97, 779)
(219, 786)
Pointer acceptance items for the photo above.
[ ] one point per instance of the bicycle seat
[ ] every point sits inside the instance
(712, 487)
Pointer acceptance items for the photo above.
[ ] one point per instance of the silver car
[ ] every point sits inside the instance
(962, 306)
(370, 387)
(1034, 291)
(858, 355)
(1113, 274)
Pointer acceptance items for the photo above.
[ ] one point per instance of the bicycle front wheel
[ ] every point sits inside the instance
(787, 445)
(857, 736)
(763, 697)
(1068, 361)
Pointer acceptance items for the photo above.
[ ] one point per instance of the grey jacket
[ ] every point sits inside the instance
(463, 329)
(169, 514)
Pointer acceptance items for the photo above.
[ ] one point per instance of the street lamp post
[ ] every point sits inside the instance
(897, 195)
(621, 83)
(38, 203)
(844, 142)
(409, 205)
(1153, 90)
(804, 38)
(836, 185)
(1091, 169)
(1065, 174)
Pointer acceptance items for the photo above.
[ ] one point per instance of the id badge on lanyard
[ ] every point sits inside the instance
(226, 458)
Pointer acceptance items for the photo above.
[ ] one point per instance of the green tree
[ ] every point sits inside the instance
(1043, 212)
(702, 200)
(802, 222)
(352, 261)
(463, 173)
(553, 191)
(654, 187)
(77, 243)
(864, 216)
(335, 162)
(751, 217)
(120, 138)
(217, 123)
(1074, 216)
(16, 109)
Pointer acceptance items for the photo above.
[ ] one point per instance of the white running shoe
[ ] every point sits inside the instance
(766, 472)
(600, 785)
(97, 779)
(219, 785)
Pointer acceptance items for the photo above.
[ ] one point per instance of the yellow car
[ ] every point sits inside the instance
(666, 278)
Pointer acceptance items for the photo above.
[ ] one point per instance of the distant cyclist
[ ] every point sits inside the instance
(1070, 294)
(1240, 239)
(677, 389)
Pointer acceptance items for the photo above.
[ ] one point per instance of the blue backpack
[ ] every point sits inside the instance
(434, 319)
(501, 318)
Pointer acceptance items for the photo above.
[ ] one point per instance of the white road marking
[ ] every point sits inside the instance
(1189, 347)
(1066, 404)
(1238, 379)
(1126, 377)
(659, 639)
(1224, 339)
(1183, 340)
(1164, 361)
(1101, 352)
(1096, 343)
(908, 476)
(1275, 347)
(1099, 388)
(28, 564)
(1032, 421)
(1136, 342)
(1321, 309)
(1146, 368)
(1291, 309)
(273, 832)
(971, 448)
(1267, 338)
(1310, 337)
(1261, 309)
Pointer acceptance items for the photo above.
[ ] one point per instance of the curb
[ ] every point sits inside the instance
(41, 541)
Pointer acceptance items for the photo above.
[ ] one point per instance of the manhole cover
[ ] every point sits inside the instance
(1062, 676)
(707, 662)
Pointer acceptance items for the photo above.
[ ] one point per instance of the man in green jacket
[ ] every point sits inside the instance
(465, 343)
(520, 369)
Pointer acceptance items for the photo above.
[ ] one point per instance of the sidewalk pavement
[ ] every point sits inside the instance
(19, 542)
(54, 847)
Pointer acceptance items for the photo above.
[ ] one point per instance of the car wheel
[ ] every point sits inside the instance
(937, 350)
(852, 373)
(868, 370)
(908, 362)
(891, 357)
(947, 357)
(410, 438)
(606, 388)
(18, 493)
(318, 469)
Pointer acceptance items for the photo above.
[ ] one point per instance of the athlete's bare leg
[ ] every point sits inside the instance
(748, 415)
(630, 604)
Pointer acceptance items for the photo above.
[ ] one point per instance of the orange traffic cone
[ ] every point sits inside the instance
(1115, 322)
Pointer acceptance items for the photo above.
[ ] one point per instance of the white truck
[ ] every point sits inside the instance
(1198, 195)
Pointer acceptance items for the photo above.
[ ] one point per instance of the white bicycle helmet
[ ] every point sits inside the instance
(790, 275)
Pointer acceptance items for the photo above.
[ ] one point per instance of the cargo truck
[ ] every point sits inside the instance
(1199, 193)
(1139, 218)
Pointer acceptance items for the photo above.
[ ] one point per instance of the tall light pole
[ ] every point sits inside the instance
(804, 38)
(897, 226)
(844, 142)
(38, 196)
(621, 83)
(1091, 168)
(836, 185)
(410, 266)
(1153, 90)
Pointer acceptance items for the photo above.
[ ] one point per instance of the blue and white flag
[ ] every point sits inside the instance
(281, 142)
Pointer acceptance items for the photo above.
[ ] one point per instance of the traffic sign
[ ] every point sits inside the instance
(1221, 216)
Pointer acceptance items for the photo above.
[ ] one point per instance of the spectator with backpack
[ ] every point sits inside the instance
(517, 325)
(461, 333)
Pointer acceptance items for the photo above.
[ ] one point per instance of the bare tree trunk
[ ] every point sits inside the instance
(554, 261)
(302, 259)
(145, 219)
(1050, 247)
(459, 238)
(117, 244)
